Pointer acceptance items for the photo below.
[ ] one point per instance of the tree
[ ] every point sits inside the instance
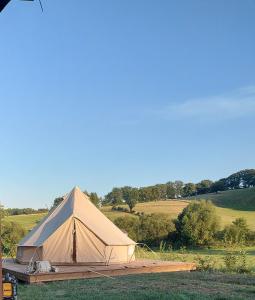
(155, 228)
(218, 186)
(170, 190)
(204, 186)
(178, 184)
(189, 189)
(197, 224)
(131, 197)
(57, 201)
(237, 232)
(94, 199)
(114, 197)
(130, 225)
(11, 234)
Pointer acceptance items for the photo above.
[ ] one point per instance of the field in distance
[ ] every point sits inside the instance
(229, 206)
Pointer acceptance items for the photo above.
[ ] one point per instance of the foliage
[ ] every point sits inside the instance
(24, 211)
(205, 263)
(130, 225)
(197, 224)
(130, 196)
(237, 232)
(189, 189)
(236, 262)
(204, 186)
(154, 228)
(94, 199)
(11, 234)
(114, 197)
(178, 189)
(149, 229)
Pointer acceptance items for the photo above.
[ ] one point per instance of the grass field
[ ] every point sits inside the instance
(172, 208)
(243, 199)
(175, 286)
(27, 221)
(192, 255)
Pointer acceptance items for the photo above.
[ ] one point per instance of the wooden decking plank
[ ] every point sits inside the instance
(79, 272)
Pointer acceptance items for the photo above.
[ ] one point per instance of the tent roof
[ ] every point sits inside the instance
(76, 204)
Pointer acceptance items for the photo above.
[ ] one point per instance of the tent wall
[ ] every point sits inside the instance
(120, 254)
(59, 246)
(25, 253)
(89, 247)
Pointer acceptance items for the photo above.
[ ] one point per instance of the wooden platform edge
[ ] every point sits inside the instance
(86, 274)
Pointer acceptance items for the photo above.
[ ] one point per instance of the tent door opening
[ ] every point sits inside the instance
(74, 253)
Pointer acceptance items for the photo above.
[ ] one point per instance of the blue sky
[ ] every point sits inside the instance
(110, 93)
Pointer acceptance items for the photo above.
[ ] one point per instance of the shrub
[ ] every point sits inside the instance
(129, 225)
(236, 262)
(11, 234)
(150, 229)
(120, 208)
(154, 228)
(198, 224)
(237, 232)
(205, 263)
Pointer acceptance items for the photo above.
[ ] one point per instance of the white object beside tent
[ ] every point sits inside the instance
(76, 232)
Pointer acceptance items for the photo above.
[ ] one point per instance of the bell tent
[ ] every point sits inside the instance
(76, 232)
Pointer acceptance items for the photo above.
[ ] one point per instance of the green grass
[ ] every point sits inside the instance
(173, 207)
(191, 255)
(243, 199)
(175, 286)
(170, 207)
(27, 221)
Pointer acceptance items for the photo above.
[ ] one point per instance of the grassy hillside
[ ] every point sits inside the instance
(27, 221)
(174, 207)
(234, 199)
(170, 207)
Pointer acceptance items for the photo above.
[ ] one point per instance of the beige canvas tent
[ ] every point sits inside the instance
(76, 232)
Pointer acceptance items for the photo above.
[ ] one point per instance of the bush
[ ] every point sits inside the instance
(149, 229)
(11, 234)
(154, 228)
(236, 262)
(198, 224)
(129, 225)
(237, 232)
(120, 208)
(205, 263)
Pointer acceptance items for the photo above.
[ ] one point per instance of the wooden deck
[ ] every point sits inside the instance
(78, 272)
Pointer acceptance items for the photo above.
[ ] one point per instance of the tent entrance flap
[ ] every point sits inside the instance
(74, 252)
(89, 247)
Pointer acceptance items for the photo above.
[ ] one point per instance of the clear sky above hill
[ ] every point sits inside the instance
(111, 93)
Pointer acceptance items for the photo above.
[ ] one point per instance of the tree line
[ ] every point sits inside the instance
(178, 189)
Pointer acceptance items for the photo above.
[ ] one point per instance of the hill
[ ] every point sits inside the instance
(240, 199)
(229, 206)
(27, 221)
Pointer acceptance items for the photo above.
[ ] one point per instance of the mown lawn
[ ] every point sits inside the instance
(180, 285)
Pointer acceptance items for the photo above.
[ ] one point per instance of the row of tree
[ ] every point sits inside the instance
(24, 211)
(178, 189)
